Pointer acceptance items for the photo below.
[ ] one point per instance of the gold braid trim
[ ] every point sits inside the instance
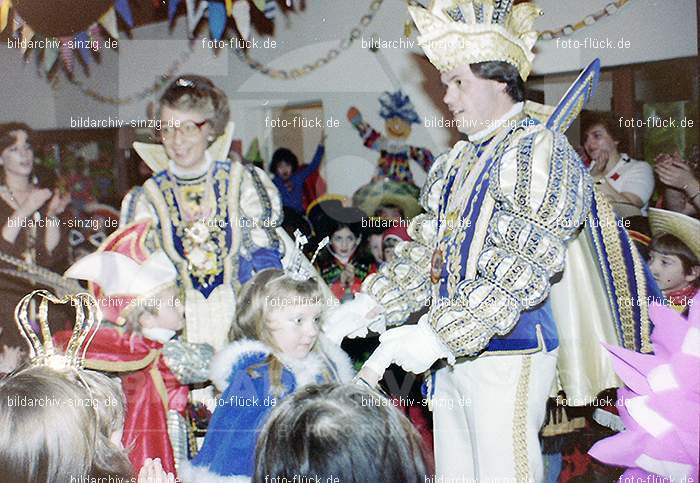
(520, 423)
(645, 333)
(131, 366)
(608, 226)
(122, 366)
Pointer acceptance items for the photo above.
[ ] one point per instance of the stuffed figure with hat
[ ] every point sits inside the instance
(137, 292)
(674, 257)
(398, 114)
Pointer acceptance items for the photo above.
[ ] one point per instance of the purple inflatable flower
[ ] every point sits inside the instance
(660, 403)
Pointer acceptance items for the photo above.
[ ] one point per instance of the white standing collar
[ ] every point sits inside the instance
(190, 173)
(496, 125)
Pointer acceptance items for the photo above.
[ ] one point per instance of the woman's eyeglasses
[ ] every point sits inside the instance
(187, 129)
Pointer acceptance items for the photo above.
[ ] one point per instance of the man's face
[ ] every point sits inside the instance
(598, 143)
(473, 101)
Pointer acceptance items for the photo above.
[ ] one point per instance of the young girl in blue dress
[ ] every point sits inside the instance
(277, 348)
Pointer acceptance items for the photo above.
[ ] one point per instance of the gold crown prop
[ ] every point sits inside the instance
(297, 270)
(42, 350)
(458, 32)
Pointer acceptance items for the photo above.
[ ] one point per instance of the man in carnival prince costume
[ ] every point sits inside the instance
(510, 211)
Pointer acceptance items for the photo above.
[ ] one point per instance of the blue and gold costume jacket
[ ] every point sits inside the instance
(499, 215)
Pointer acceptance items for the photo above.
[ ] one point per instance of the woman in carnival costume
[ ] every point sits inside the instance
(217, 220)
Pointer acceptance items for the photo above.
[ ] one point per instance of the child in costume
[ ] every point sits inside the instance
(289, 179)
(277, 348)
(674, 256)
(398, 113)
(347, 261)
(138, 288)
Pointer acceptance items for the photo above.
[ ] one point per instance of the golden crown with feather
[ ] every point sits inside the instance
(458, 32)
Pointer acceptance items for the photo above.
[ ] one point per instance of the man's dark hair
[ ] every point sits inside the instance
(283, 155)
(609, 121)
(502, 72)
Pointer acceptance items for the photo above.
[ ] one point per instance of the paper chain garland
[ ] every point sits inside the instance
(217, 16)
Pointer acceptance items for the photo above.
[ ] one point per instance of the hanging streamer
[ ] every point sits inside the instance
(194, 14)
(217, 19)
(82, 40)
(172, 9)
(124, 10)
(241, 14)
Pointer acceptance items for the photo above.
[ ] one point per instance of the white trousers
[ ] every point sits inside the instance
(487, 414)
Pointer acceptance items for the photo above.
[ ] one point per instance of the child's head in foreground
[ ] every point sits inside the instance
(281, 312)
(59, 425)
(338, 433)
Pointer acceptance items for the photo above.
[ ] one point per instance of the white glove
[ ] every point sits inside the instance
(351, 318)
(413, 347)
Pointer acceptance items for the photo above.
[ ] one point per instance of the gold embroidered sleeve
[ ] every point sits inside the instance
(135, 206)
(260, 211)
(403, 286)
(542, 194)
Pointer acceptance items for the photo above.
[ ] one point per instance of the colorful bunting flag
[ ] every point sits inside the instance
(172, 9)
(66, 53)
(124, 10)
(109, 22)
(270, 9)
(194, 15)
(50, 57)
(241, 14)
(83, 40)
(217, 19)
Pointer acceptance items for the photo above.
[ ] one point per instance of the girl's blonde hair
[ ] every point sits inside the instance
(53, 425)
(266, 291)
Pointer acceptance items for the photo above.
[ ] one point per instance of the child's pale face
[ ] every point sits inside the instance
(344, 242)
(668, 271)
(284, 170)
(295, 328)
(171, 312)
(375, 246)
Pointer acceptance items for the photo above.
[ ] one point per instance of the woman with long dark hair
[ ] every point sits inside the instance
(31, 231)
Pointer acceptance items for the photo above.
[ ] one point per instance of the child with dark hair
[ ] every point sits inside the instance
(674, 257)
(289, 179)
